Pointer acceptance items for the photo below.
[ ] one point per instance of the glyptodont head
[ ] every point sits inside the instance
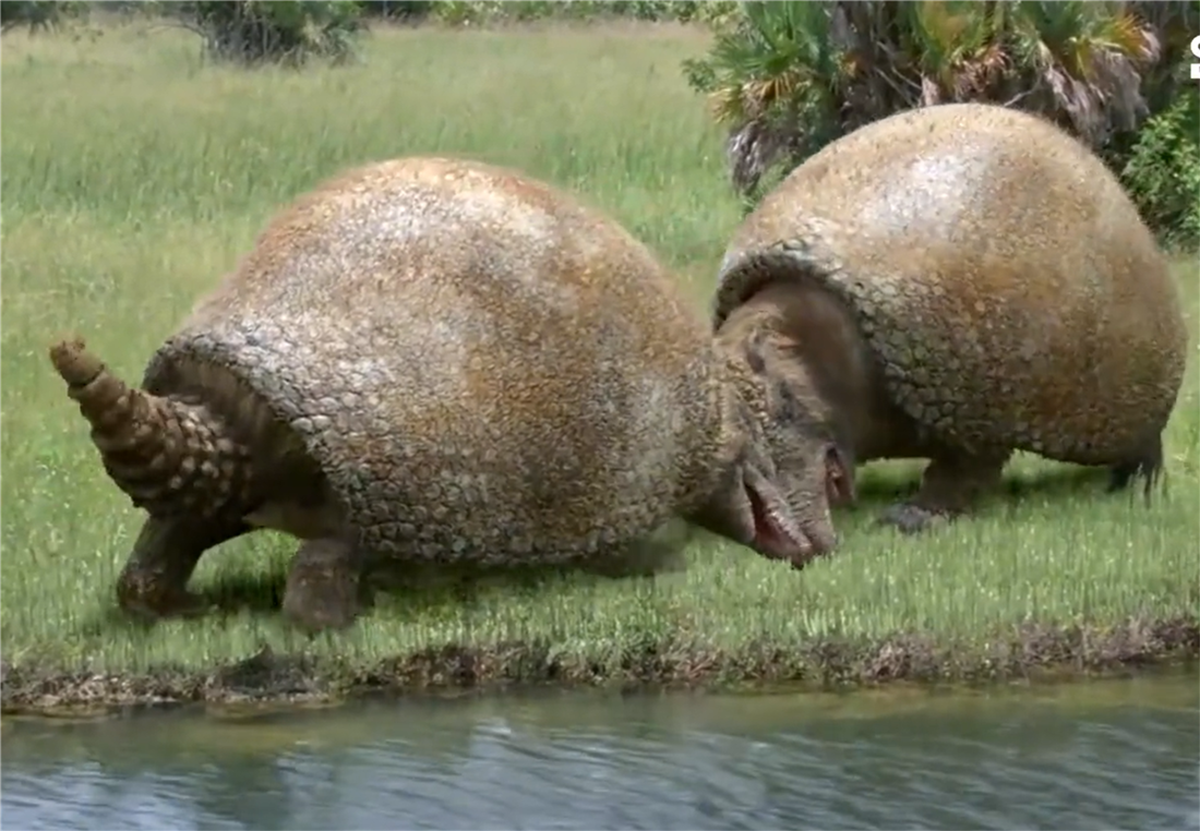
(788, 471)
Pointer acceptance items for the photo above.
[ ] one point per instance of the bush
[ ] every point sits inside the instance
(1163, 172)
(290, 32)
(786, 78)
(39, 15)
(399, 10)
(483, 12)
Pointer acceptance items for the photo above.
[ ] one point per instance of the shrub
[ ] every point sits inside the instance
(788, 77)
(402, 10)
(482, 12)
(39, 15)
(1163, 172)
(290, 32)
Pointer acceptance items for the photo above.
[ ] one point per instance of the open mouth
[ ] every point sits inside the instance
(771, 538)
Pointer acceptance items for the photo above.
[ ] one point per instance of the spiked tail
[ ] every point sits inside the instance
(169, 457)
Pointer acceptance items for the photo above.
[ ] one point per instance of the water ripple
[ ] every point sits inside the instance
(667, 763)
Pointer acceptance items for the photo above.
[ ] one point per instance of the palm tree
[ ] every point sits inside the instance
(788, 77)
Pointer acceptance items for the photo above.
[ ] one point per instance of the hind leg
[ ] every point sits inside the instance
(326, 588)
(950, 486)
(153, 582)
(1148, 466)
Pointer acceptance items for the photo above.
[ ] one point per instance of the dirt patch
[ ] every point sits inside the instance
(1027, 652)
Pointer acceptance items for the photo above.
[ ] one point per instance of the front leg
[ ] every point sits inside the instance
(325, 585)
(153, 583)
(951, 484)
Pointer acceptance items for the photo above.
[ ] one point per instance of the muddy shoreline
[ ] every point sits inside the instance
(1028, 652)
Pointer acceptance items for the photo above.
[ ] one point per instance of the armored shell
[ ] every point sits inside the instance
(483, 368)
(1003, 279)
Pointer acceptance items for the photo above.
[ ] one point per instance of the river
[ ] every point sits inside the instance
(1099, 754)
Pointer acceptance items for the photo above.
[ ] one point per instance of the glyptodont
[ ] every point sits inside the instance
(959, 282)
(436, 361)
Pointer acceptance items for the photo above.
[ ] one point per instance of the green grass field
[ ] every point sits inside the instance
(134, 177)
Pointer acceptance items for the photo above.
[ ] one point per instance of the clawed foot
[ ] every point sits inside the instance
(148, 606)
(318, 600)
(324, 587)
(153, 583)
(952, 481)
(909, 518)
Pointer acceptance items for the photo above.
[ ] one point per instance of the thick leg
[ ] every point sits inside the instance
(645, 558)
(325, 586)
(950, 486)
(154, 581)
(1148, 466)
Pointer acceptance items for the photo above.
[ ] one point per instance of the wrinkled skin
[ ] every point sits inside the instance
(777, 494)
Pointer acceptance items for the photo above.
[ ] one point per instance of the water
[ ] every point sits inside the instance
(1115, 754)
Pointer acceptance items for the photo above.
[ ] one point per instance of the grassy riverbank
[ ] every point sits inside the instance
(133, 178)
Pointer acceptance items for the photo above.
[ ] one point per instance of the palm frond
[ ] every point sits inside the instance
(787, 77)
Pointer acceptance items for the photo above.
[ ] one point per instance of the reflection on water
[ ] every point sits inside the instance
(1117, 754)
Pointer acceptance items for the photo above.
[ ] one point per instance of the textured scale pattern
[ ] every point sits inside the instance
(1004, 281)
(484, 370)
(184, 433)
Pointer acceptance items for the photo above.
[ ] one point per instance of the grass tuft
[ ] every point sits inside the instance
(134, 178)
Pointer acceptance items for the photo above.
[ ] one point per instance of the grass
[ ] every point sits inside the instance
(134, 177)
